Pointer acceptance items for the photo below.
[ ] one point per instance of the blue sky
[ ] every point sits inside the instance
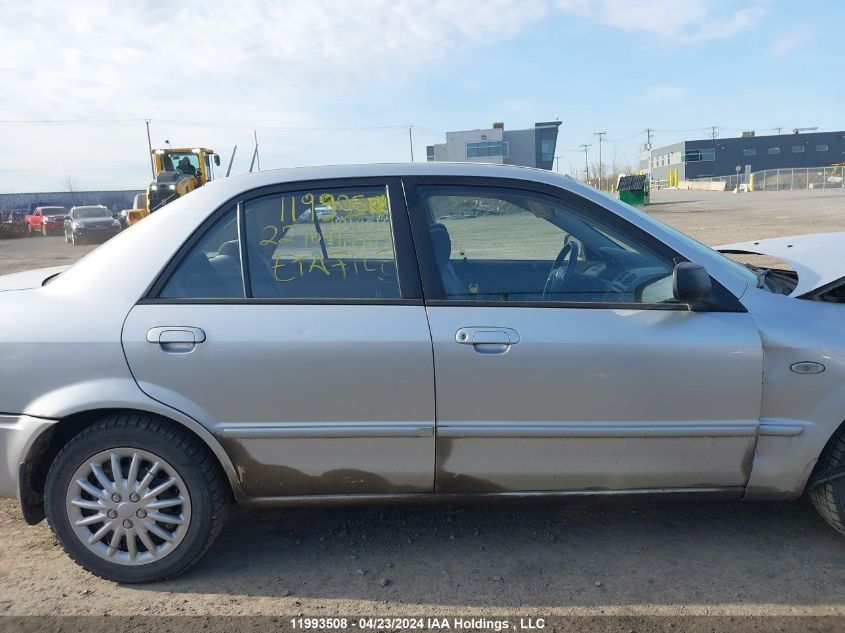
(298, 70)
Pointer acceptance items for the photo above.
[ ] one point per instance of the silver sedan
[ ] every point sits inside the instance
(447, 330)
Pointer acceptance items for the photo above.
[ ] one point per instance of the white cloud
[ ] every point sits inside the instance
(282, 63)
(791, 40)
(294, 63)
(168, 60)
(670, 20)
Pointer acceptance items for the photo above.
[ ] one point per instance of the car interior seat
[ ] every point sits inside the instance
(442, 245)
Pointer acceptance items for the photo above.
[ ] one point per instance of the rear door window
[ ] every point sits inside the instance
(322, 243)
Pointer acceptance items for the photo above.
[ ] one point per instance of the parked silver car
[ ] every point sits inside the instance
(561, 343)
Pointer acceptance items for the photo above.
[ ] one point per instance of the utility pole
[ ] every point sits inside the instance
(714, 132)
(231, 160)
(411, 140)
(601, 136)
(586, 149)
(150, 146)
(257, 157)
(778, 129)
(647, 148)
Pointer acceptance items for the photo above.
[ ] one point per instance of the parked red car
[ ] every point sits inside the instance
(46, 220)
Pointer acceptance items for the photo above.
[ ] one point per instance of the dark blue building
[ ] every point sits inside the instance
(720, 157)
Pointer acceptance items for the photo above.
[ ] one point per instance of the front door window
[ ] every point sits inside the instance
(509, 245)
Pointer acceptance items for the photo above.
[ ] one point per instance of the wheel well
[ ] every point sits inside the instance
(821, 462)
(47, 446)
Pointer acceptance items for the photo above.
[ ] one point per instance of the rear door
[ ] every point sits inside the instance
(562, 360)
(292, 325)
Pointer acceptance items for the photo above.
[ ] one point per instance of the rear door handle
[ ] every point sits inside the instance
(171, 335)
(503, 336)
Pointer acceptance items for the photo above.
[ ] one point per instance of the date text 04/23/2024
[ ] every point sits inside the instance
(418, 623)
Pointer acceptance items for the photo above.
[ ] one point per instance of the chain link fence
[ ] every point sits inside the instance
(796, 179)
(784, 179)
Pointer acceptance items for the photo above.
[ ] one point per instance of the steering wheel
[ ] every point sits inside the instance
(563, 269)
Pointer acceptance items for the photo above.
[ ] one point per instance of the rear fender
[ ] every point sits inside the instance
(119, 393)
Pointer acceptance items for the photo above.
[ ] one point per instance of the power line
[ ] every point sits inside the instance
(64, 121)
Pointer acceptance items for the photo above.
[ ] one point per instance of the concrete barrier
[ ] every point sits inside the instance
(703, 185)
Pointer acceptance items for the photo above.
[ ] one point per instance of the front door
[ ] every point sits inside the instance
(562, 360)
(293, 327)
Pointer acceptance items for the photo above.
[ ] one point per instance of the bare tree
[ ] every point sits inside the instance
(70, 185)
(611, 173)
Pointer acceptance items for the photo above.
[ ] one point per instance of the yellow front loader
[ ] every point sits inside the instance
(178, 171)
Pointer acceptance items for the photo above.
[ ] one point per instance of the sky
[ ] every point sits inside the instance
(341, 81)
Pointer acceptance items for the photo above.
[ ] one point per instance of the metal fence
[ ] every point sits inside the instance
(785, 179)
(795, 179)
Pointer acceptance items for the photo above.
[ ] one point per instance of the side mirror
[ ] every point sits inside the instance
(690, 282)
(217, 159)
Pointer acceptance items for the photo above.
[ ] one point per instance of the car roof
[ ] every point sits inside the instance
(244, 182)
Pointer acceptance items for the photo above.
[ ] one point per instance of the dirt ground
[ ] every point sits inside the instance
(574, 558)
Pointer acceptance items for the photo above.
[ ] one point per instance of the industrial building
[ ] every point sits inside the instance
(534, 147)
(715, 157)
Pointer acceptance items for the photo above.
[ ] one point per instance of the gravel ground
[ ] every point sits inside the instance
(578, 558)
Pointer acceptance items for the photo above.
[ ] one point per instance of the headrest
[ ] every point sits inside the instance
(230, 248)
(441, 243)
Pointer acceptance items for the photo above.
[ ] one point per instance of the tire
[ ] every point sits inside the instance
(197, 499)
(829, 498)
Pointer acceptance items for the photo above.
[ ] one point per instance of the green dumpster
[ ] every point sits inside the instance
(633, 189)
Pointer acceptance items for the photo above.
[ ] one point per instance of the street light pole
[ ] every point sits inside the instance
(601, 136)
(586, 149)
(150, 146)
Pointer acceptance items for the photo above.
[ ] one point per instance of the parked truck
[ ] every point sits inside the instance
(46, 220)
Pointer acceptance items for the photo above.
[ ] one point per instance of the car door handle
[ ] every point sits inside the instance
(499, 336)
(175, 335)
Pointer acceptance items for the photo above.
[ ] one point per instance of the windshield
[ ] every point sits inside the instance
(185, 163)
(91, 212)
(696, 246)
